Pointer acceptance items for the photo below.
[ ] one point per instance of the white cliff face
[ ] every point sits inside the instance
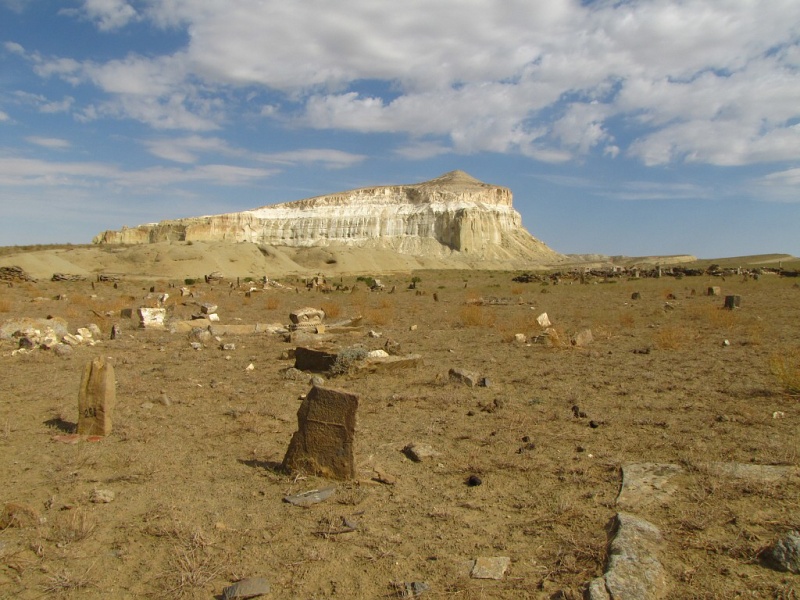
(453, 213)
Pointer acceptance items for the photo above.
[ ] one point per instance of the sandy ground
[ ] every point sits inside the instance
(198, 493)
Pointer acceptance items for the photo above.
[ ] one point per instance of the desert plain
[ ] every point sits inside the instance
(193, 464)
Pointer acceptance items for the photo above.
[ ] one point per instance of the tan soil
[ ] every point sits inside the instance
(198, 492)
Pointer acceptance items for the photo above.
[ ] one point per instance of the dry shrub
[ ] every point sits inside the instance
(272, 303)
(715, 316)
(332, 309)
(473, 315)
(785, 366)
(5, 305)
(379, 316)
(517, 290)
(673, 337)
(627, 320)
(72, 526)
(63, 581)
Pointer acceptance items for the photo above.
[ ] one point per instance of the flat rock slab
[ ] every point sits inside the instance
(390, 363)
(751, 472)
(634, 571)
(490, 567)
(310, 497)
(246, 588)
(646, 483)
(419, 452)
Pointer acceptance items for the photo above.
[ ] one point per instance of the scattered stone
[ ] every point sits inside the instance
(520, 338)
(410, 589)
(390, 363)
(12, 274)
(246, 588)
(316, 380)
(778, 414)
(316, 361)
(646, 483)
(151, 318)
(784, 555)
(62, 350)
(18, 515)
(582, 338)
(469, 378)
(229, 347)
(102, 496)
(633, 570)
(544, 321)
(207, 308)
(490, 567)
(374, 334)
(377, 354)
(419, 452)
(474, 481)
(323, 443)
(293, 374)
(96, 398)
(594, 424)
(636, 296)
(115, 331)
(250, 367)
(392, 347)
(310, 497)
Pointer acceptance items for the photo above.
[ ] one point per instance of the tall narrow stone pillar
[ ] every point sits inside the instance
(96, 398)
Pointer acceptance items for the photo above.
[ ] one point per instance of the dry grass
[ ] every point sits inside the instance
(785, 366)
(5, 305)
(383, 314)
(272, 303)
(473, 315)
(673, 337)
(64, 581)
(332, 309)
(72, 526)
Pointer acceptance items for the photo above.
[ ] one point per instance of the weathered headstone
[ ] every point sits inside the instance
(582, 338)
(732, 302)
(714, 290)
(323, 443)
(151, 318)
(96, 398)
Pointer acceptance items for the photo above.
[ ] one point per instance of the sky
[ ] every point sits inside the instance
(622, 127)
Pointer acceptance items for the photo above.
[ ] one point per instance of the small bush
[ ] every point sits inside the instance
(472, 315)
(785, 366)
(332, 309)
(189, 281)
(673, 337)
(273, 302)
(347, 359)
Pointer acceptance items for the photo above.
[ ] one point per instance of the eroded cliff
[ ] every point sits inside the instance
(454, 213)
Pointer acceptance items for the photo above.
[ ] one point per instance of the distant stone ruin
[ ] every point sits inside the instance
(454, 213)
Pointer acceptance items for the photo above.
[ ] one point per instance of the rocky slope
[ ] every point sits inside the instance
(454, 213)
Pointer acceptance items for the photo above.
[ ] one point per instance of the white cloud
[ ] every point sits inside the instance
(109, 14)
(780, 186)
(187, 149)
(691, 81)
(4, 116)
(331, 159)
(47, 142)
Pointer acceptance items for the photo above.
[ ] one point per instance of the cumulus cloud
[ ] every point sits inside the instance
(689, 81)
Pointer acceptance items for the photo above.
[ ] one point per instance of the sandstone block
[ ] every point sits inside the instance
(151, 318)
(307, 316)
(323, 443)
(96, 398)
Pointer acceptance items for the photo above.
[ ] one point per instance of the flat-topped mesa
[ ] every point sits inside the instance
(454, 212)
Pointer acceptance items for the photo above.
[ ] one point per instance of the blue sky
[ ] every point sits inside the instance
(632, 127)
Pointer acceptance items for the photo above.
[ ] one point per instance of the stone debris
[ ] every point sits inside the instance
(468, 378)
(12, 274)
(316, 361)
(310, 497)
(647, 483)
(410, 589)
(419, 452)
(784, 555)
(582, 338)
(544, 321)
(151, 318)
(390, 363)
(102, 496)
(207, 308)
(67, 277)
(251, 587)
(96, 398)
(633, 570)
(493, 567)
(520, 338)
(381, 476)
(323, 443)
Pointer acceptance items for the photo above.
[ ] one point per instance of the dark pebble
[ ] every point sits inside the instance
(473, 480)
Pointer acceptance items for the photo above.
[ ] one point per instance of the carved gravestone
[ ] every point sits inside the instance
(96, 398)
(323, 443)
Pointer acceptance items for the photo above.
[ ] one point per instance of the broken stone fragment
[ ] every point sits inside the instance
(493, 567)
(784, 555)
(307, 316)
(251, 587)
(151, 318)
(419, 452)
(323, 442)
(469, 378)
(310, 497)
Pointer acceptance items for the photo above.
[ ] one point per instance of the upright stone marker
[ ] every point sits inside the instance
(96, 398)
(323, 443)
